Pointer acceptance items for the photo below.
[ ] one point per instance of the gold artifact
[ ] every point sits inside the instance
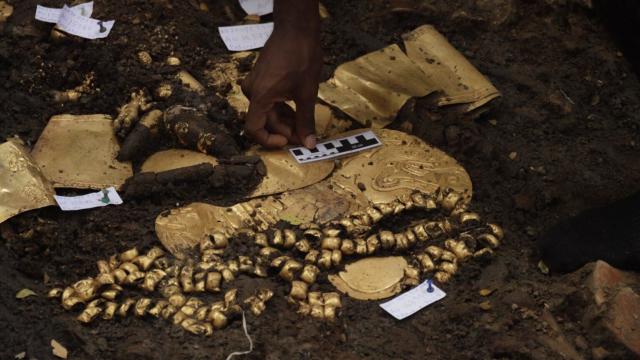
(129, 113)
(80, 152)
(446, 67)
(440, 243)
(404, 164)
(144, 57)
(74, 94)
(371, 278)
(6, 11)
(373, 88)
(190, 82)
(22, 185)
(284, 173)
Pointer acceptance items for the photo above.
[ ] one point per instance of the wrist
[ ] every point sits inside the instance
(301, 16)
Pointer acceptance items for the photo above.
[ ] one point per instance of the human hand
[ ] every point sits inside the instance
(288, 69)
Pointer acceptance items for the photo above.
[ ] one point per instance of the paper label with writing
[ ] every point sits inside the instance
(246, 37)
(102, 198)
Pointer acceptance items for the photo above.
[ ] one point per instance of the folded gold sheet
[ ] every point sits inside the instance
(454, 75)
(22, 185)
(80, 152)
(373, 88)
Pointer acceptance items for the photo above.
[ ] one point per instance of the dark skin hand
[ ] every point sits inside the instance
(288, 69)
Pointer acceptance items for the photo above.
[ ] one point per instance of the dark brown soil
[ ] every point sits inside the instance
(570, 110)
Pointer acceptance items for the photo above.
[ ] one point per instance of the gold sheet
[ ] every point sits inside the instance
(284, 173)
(175, 159)
(374, 87)
(80, 152)
(371, 278)
(404, 164)
(460, 81)
(22, 185)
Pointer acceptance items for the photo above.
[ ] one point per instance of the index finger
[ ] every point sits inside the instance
(255, 123)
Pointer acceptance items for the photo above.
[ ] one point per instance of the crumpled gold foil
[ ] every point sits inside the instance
(80, 152)
(374, 87)
(454, 75)
(403, 165)
(371, 278)
(22, 185)
(175, 159)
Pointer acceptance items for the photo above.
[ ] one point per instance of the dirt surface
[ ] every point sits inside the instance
(569, 117)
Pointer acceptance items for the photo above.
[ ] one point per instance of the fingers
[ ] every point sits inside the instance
(277, 124)
(305, 123)
(255, 123)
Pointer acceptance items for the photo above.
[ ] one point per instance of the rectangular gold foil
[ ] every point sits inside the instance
(80, 152)
(22, 185)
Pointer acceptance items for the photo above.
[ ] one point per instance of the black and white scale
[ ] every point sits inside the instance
(338, 147)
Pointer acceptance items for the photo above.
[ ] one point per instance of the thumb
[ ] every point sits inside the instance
(306, 123)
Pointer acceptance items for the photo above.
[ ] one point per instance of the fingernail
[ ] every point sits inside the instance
(310, 141)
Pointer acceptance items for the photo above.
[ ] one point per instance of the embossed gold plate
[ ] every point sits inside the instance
(371, 278)
(22, 185)
(175, 159)
(404, 164)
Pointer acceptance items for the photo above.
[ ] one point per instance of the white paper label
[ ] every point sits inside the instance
(98, 199)
(413, 300)
(52, 15)
(85, 27)
(246, 37)
(334, 148)
(257, 7)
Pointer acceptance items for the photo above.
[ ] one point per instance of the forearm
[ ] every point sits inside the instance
(297, 15)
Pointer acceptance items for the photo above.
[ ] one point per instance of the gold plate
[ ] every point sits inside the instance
(80, 152)
(22, 185)
(374, 87)
(402, 165)
(175, 159)
(371, 278)
(284, 173)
